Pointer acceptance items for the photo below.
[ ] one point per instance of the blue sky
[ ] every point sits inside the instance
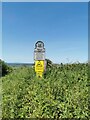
(63, 27)
(0, 30)
(45, 0)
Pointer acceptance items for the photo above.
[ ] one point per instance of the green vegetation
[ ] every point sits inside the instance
(4, 68)
(62, 93)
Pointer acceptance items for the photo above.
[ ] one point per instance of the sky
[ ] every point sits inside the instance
(45, 0)
(63, 27)
(0, 30)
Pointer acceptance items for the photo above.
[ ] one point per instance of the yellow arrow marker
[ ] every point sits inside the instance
(39, 67)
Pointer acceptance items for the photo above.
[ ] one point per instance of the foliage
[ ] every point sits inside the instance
(63, 93)
(4, 68)
(49, 63)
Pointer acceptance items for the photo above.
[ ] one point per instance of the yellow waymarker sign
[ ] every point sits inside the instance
(39, 66)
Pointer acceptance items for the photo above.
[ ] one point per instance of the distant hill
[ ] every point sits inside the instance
(20, 64)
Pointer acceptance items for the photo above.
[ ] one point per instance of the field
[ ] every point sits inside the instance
(61, 93)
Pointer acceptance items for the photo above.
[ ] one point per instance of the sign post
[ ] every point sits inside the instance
(39, 58)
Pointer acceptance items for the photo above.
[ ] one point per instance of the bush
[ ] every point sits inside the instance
(4, 68)
(48, 63)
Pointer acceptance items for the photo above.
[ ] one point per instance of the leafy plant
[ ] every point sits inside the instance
(63, 93)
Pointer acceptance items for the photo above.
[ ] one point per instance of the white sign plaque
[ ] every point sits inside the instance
(39, 51)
